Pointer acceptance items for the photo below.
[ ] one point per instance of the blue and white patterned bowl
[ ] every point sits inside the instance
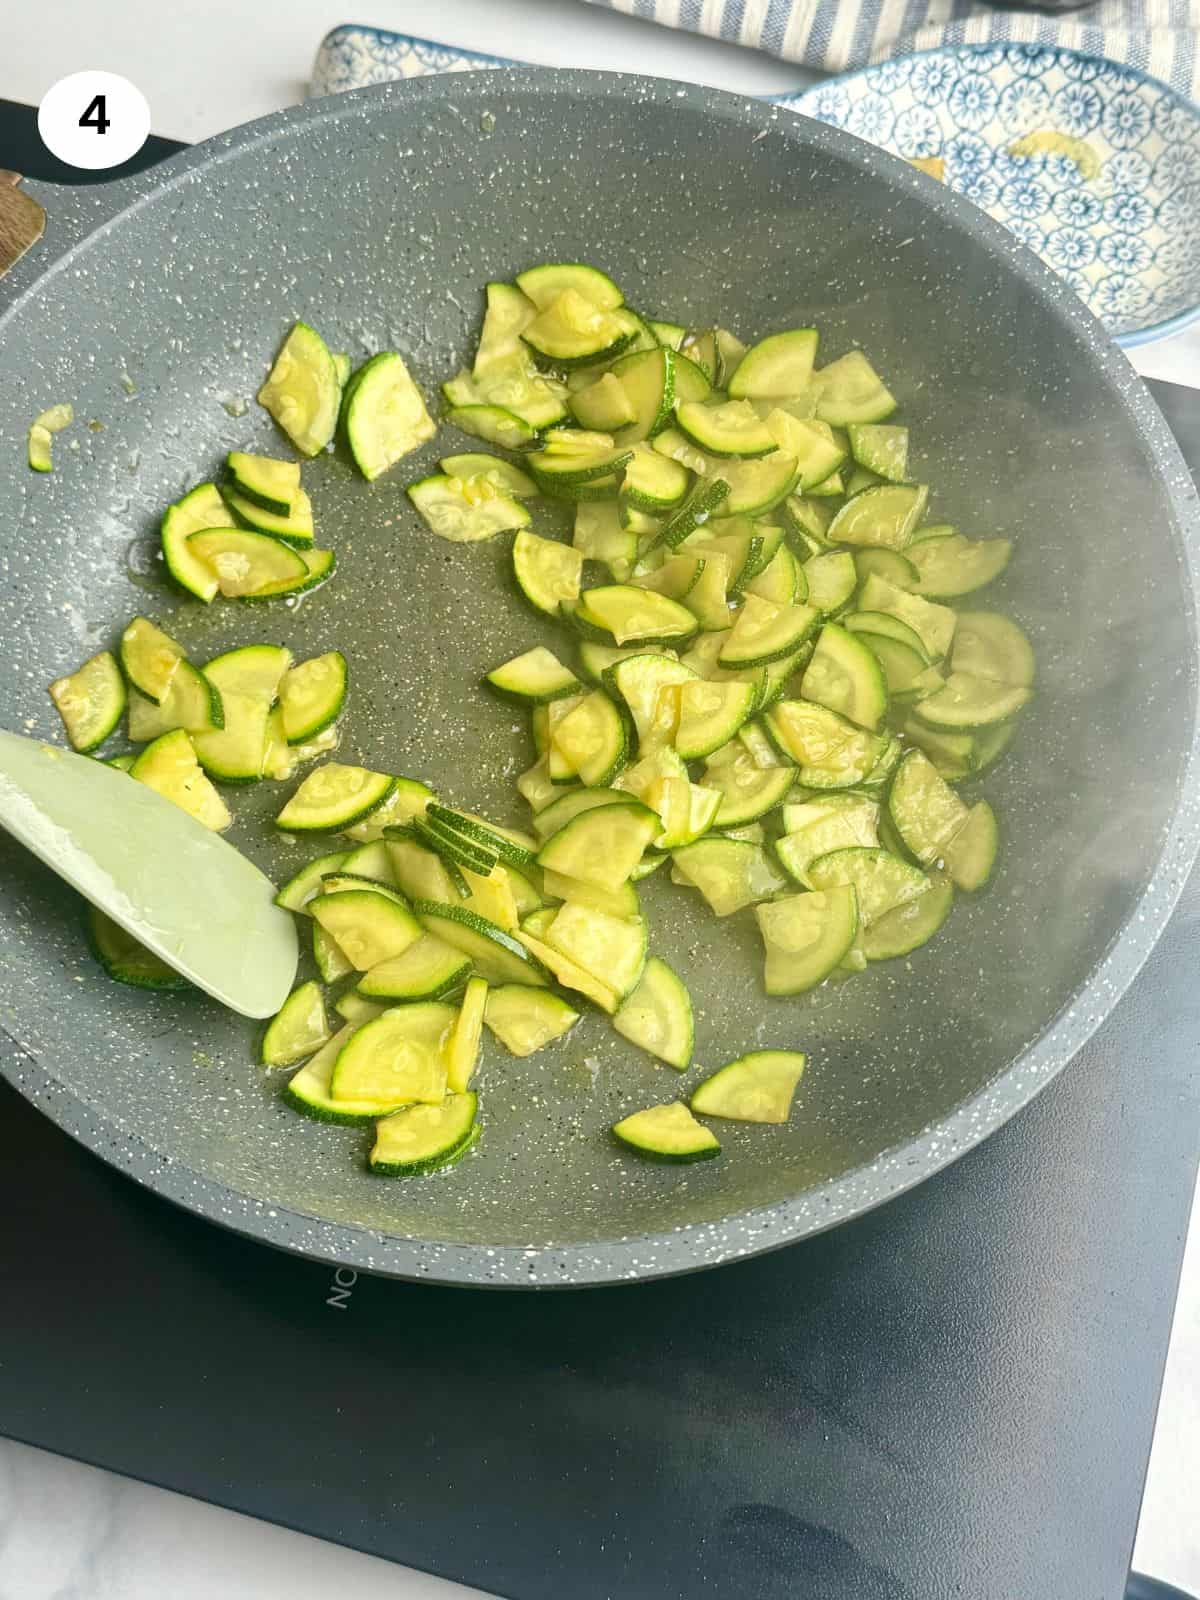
(1125, 233)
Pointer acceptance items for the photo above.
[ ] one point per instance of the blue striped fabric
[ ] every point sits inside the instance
(1161, 37)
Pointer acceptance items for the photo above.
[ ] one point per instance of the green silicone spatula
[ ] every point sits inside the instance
(170, 882)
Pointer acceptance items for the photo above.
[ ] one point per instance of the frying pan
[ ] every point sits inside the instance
(155, 305)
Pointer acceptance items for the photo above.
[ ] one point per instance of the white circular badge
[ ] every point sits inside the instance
(94, 119)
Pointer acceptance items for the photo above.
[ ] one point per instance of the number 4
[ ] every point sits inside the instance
(96, 116)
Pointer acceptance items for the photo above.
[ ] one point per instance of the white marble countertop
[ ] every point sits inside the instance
(72, 1532)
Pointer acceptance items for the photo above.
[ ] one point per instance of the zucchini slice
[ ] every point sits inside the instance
(425, 1138)
(573, 331)
(506, 844)
(850, 390)
(201, 508)
(462, 1052)
(90, 701)
(653, 482)
(747, 790)
(125, 959)
(547, 572)
(923, 809)
(494, 425)
(604, 405)
(952, 567)
(612, 949)
(556, 815)
(629, 615)
(933, 624)
(844, 675)
(778, 367)
(965, 701)
(508, 312)
(247, 681)
(622, 902)
(667, 1133)
(499, 956)
(687, 809)
(805, 937)
(247, 563)
(832, 579)
(355, 1009)
(645, 684)
(408, 799)
(502, 475)
(303, 885)
(369, 923)
(572, 457)
(647, 379)
(533, 678)
(881, 448)
(817, 828)
(970, 855)
(710, 714)
(602, 845)
(525, 1019)
(829, 751)
(881, 881)
(951, 754)
(883, 516)
(818, 454)
(988, 645)
(192, 703)
(335, 797)
(701, 505)
(309, 1089)
(758, 1087)
(302, 391)
(421, 874)
(319, 567)
(764, 632)
(312, 695)
(781, 581)
(908, 927)
(298, 1029)
(592, 740)
(294, 527)
(149, 659)
(543, 284)
(733, 428)
(384, 415)
(730, 873)
(266, 482)
(332, 962)
(464, 511)
(169, 766)
(599, 535)
(567, 972)
(397, 1058)
(657, 1016)
(426, 970)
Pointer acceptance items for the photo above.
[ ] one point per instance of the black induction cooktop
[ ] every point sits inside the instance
(953, 1396)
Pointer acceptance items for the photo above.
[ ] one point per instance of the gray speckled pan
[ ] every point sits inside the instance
(378, 215)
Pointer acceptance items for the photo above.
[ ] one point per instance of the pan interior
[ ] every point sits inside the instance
(380, 224)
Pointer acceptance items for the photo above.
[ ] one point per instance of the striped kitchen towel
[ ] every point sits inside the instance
(1161, 37)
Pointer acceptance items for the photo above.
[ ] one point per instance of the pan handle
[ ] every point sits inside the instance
(40, 222)
(22, 220)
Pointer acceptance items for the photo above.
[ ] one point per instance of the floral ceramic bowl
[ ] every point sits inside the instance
(1094, 166)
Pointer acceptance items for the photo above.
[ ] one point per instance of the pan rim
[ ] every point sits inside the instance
(693, 1246)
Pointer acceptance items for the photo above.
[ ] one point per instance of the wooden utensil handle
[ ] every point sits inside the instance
(22, 220)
